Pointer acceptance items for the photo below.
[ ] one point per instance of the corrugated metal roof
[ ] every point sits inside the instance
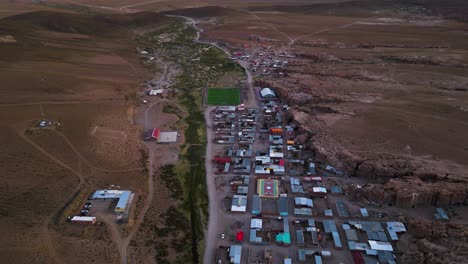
(337, 239)
(351, 234)
(253, 236)
(300, 237)
(329, 226)
(394, 228)
(442, 213)
(379, 245)
(235, 254)
(123, 201)
(318, 259)
(256, 205)
(267, 92)
(303, 211)
(256, 223)
(386, 257)
(342, 211)
(364, 212)
(283, 206)
(304, 201)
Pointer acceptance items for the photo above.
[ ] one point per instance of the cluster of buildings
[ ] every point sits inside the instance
(284, 197)
(100, 201)
(159, 136)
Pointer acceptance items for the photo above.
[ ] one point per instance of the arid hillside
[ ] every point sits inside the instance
(80, 73)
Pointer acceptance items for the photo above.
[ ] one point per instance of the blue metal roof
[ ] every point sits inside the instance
(336, 239)
(318, 259)
(256, 205)
(123, 200)
(442, 213)
(300, 237)
(283, 206)
(336, 189)
(364, 212)
(329, 226)
(342, 211)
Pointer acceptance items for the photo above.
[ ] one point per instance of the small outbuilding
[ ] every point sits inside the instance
(84, 220)
(267, 93)
(167, 137)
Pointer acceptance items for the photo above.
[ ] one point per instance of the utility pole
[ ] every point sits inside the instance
(42, 112)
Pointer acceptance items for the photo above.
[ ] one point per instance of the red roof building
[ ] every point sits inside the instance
(240, 236)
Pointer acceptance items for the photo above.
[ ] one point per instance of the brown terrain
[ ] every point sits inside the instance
(383, 95)
(81, 71)
(380, 87)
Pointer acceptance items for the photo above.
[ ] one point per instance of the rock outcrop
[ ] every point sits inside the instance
(434, 242)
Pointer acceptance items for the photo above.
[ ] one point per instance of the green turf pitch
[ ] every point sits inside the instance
(223, 96)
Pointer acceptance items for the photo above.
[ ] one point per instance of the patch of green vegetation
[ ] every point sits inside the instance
(223, 96)
(75, 8)
(171, 181)
(169, 109)
(201, 66)
(144, 160)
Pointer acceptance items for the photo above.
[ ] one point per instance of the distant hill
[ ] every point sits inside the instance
(450, 9)
(80, 23)
(206, 11)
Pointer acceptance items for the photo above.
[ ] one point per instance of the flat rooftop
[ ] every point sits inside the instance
(167, 137)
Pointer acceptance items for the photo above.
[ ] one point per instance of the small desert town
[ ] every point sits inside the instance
(234, 132)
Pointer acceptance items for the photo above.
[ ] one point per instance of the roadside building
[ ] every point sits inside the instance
(156, 92)
(319, 191)
(167, 137)
(303, 211)
(341, 208)
(441, 214)
(84, 220)
(318, 259)
(364, 212)
(239, 203)
(267, 93)
(256, 205)
(124, 198)
(152, 135)
(300, 238)
(256, 223)
(254, 238)
(302, 201)
(283, 206)
(395, 228)
(329, 227)
(305, 253)
(379, 245)
(122, 203)
(235, 254)
(284, 237)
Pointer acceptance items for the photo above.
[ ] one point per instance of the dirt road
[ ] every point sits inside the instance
(214, 204)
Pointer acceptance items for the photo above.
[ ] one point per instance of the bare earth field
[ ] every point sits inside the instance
(85, 79)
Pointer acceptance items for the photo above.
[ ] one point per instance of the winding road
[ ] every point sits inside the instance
(214, 204)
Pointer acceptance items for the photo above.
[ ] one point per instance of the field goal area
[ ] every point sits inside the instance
(223, 96)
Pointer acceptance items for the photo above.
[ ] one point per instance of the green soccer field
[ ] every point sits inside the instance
(223, 96)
